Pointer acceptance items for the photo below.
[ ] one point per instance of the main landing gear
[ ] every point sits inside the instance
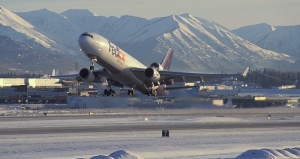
(109, 92)
(131, 92)
(151, 92)
(150, 88)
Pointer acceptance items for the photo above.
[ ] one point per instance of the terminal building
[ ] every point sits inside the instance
(32, 91)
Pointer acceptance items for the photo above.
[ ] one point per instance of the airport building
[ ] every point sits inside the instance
(32, 91)
(82, 95)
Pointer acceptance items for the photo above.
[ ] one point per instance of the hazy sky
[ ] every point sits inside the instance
(229, 13)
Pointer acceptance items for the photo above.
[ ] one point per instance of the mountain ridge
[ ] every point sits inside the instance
(281, 39)
(199, 45)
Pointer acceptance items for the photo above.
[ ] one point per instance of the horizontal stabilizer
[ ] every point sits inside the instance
(183, 87)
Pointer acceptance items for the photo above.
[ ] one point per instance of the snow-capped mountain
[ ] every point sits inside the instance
(199, 45)
(23, 31)
(204, 45)
(56, 27)
(254, 32)
(21, 58)
(113, 28)
(281, 39)
(17, 28)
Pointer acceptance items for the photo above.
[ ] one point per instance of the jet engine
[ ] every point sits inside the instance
(157, 66)
(152, 74)
(87, 75)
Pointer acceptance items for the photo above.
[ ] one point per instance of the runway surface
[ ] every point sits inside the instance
(86, 129)
(194, 133)
(123, 127)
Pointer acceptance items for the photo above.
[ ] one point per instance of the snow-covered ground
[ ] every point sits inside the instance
(187, 144)
(181, 144)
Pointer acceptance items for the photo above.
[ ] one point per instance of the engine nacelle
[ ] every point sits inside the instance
(87, 75)
(152, 74)
(157, 66)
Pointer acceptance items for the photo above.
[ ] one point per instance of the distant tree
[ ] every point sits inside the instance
(270, 77)
(20, 75)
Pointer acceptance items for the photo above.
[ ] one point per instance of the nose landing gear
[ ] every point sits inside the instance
(92, 68)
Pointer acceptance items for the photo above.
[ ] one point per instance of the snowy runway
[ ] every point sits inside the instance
(214, 142)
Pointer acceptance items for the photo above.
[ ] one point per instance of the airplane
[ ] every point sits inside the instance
(122, 70)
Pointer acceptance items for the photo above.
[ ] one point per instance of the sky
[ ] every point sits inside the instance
(228, 13)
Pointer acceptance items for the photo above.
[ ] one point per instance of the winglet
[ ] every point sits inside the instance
(245, 72)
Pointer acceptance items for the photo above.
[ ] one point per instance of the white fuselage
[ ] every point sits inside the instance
(116, 61)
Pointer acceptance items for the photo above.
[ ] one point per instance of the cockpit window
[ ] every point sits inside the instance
(85, 34)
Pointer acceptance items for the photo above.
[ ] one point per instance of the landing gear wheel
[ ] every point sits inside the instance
(109, 92)
(130, 92)
(147, 92)
(106, 92)
(154, 92)
(112, 93)
(92, 68)
(151, 92)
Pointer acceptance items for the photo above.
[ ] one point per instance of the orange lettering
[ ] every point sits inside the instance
(121, 55)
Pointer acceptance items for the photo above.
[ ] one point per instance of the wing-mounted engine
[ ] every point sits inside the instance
(152, 74)
(87, 75)
(157, 66)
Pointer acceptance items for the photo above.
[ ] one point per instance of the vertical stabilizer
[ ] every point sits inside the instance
(166, 62)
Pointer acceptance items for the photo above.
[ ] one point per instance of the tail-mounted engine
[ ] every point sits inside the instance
(87, 75)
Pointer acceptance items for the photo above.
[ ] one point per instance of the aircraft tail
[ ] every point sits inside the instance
(166, 62)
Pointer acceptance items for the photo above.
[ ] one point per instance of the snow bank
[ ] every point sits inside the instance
(270, 153)
(254, 153)
(120, 154)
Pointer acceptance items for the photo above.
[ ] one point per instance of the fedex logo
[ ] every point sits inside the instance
(116, 51)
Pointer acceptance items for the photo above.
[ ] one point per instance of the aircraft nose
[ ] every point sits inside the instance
(84, 37)
(85, 40)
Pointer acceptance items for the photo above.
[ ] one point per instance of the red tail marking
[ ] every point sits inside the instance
(166, 62)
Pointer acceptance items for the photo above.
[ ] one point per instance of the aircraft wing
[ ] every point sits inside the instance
(101, 73)
(71, 77)
(185, 77)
